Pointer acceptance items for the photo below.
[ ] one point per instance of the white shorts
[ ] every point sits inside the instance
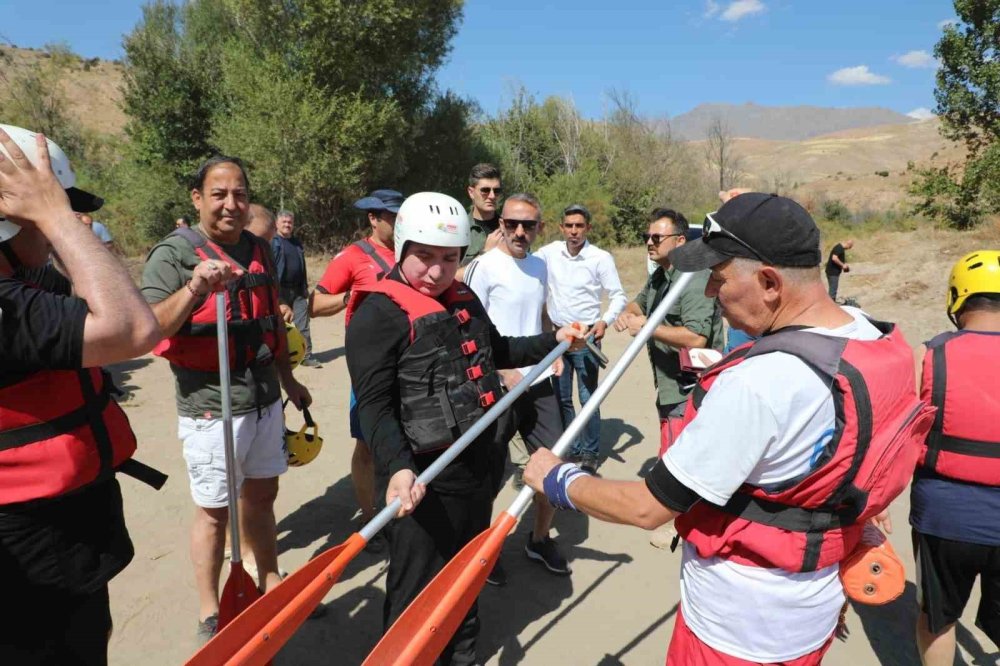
(260, 452)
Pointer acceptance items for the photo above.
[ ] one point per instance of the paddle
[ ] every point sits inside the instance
(240, 589)
(257, 634)
(423, 630)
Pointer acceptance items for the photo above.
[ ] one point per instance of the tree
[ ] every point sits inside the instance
(968, 103)
(721, 155)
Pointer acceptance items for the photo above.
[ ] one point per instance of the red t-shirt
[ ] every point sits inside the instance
(353, 268)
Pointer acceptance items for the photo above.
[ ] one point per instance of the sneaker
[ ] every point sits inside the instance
(545, 551)
(207, 628)
(498, 576)
(310, 362)
(588, 463)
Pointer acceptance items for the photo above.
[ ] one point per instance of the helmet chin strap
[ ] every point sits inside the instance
(10, 256)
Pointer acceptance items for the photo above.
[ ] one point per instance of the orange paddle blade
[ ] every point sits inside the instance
(238, 593)
(257, 634)
(423, 630)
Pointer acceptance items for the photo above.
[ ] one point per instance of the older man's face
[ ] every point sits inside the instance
(286, 225)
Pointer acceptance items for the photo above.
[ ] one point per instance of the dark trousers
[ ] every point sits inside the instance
(56, 629)
(421, 544)
(834, 282)
(299, 303)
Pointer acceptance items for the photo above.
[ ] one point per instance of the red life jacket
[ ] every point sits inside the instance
(816, 520)
(446, 377)
(251, 310)
(960, 379)
(60, 431)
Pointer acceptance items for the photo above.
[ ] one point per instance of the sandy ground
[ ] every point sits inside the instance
(618, 607)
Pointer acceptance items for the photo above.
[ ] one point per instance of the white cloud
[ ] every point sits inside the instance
(711, 8)
(945, 23)
(741, 8)
(857, 76)
(916, 60)
(922, 113)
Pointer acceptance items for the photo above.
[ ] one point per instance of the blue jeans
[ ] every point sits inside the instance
(584, 365)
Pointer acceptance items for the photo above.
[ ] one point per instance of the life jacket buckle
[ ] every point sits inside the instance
(463, 316)
(474, 373)
(487, 399)
(469, 347)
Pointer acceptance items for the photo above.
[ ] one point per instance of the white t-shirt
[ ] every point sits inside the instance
(513, 291)
(763, 421)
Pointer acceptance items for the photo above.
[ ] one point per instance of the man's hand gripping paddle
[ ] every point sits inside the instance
(257, 634)
(423, 630)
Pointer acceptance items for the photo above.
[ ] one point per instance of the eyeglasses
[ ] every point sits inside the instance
(512, 225)
(712, 228)
(657, 238)
(485, 191)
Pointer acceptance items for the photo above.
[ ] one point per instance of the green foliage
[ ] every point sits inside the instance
(968, 103)
(835, 211)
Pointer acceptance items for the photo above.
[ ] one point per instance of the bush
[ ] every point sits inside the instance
(835, 211)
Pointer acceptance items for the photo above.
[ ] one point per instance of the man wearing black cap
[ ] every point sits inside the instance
(62, 435)
(693, 322)
(290, 262)
(360, 264)
(763, 480)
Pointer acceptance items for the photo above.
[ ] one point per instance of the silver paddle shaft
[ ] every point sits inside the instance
(226, 388)
(597, 397)
(386, 515)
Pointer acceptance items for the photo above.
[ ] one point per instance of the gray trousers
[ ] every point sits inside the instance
(834, 282)
(300, 314)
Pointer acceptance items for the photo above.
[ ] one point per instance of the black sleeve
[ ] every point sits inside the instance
(377, 336)
(39, 330)
(46, 278)
(670, 492)
(517, 352)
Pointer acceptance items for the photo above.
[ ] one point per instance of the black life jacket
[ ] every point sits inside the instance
(447, 379)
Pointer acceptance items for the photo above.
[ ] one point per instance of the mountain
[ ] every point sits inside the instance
(780, 123)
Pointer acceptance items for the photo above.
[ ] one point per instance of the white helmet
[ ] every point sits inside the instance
(81, 202)
(431, 218)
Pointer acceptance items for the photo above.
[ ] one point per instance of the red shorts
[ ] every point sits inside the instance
(686, 649)
(670, 429)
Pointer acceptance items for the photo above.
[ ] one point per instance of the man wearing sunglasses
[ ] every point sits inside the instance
(512, 285)
(485, 190)
(693, 322)
(765, 483)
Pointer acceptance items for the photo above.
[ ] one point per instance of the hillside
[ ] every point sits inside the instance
(91, 86)
(781, 123)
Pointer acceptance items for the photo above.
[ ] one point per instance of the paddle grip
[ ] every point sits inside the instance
(225, 388)
(610, 379)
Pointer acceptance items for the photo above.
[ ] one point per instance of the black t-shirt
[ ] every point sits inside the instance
(78, 542)
(839, 252)
(377, 336)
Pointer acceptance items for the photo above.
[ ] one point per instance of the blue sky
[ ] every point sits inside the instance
(670, 55)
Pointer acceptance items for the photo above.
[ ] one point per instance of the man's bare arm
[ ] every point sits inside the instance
(326, 305)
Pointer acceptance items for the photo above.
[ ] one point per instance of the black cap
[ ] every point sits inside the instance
(389, 200)
(579, 209)
(83, 202)
(779, 231)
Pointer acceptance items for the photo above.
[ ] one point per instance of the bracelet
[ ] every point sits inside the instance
(557, 482)
(193, 290)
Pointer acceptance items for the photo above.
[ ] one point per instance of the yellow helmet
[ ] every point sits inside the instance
(975, 273)
(296, 344)
(303, 447)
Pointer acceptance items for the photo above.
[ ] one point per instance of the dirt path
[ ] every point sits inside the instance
(618, 606)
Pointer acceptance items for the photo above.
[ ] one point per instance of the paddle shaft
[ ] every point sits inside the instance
(385, 516)
(226, 390)
(597, 397)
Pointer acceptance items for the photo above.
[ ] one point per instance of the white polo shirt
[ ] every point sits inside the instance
(513, 293)
(576, 284)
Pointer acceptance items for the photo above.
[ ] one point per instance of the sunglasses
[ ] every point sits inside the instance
(512, 225)
(712, 228)
(657, 238)
(485, 191)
